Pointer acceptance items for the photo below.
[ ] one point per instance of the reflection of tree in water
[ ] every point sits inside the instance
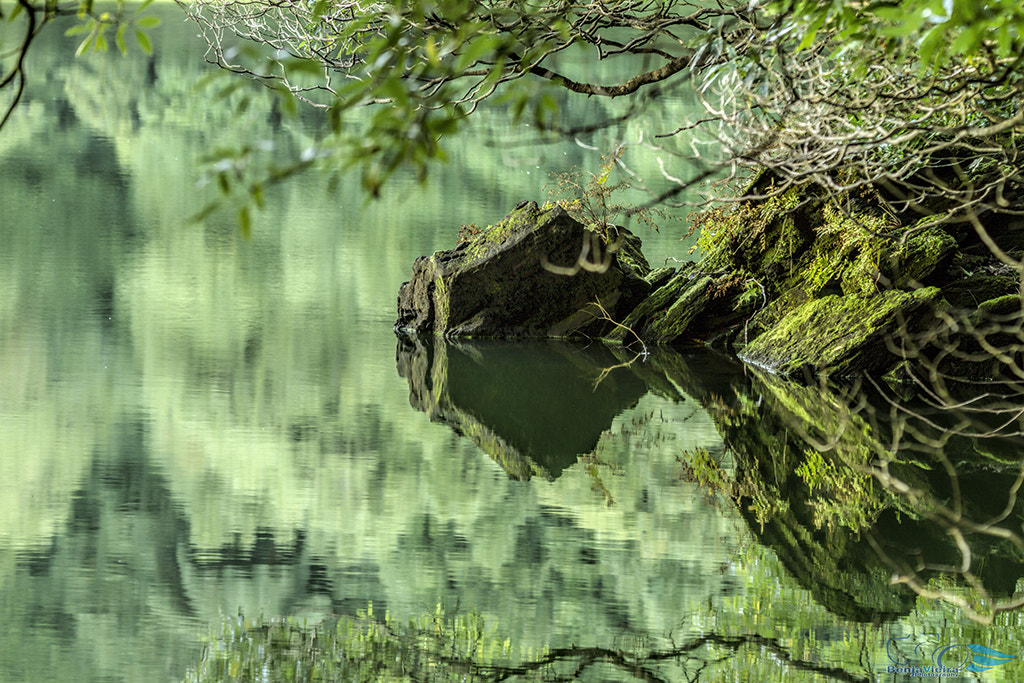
(955, 459)
(868, 497)
(440, 646)
(858, 488)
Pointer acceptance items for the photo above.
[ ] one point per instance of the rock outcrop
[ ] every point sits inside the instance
(846, 335)
(792, 283)
(538, 273)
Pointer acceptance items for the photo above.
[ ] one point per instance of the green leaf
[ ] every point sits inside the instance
(143, 40)
(545, 109)
(119, 39)
(205, 212)
(76, 29)
(243, 106)
(226, 91)
(851, 21)
(334, 119)
(893, 13)
(812, 32)
(288, 103)
(83, 47)
(206, 80)
(474, 50)
(518, 105)
(932, 41)
(307, 66)
(394, 89)
(967, 41)
(1006, 40)
(148, 22)
(257, 195)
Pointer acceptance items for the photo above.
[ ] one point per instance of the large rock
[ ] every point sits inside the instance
(537, 273)
(692, 307)
(800, 283)
(841, 335)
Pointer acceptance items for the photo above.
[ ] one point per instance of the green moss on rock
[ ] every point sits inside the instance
(656, 306)
(492, 238)
(692, 307)
(526, 277)
(972, 291)
(838, 335)
(659, 277)
(917, 257)
(1007, 305)
(629, 252)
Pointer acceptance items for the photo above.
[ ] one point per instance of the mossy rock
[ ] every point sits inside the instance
(692, 308)
(538, 273)
(921, 254)
(771, 314)
(671, 324)
(839, 335)
(659, 277)
(972, 291)
(1005, 308)
(765, 237)
(630, 253)
(682, 285)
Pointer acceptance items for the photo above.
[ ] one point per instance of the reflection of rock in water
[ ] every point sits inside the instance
(839, 532)
(534, 407)
(844, 575)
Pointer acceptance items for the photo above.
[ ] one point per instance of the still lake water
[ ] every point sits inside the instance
(196, 425)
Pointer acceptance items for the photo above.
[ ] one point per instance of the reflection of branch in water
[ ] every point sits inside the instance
(642, 355)
(967, 348)
(909, 450)
(958, 527)
(640, 666)
(985, 609)
(442, 644)
(948, 406)
(593, 463)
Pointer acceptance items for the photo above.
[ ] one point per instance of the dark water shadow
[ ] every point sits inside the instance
(534, 407)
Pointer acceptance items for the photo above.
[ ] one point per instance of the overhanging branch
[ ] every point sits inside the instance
(629, 87)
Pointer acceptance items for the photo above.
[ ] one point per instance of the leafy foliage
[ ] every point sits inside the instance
(793, 86)
(22, 20)
(934, 32)
(588, 196)
(427, 64)
(96, 26)
(843, 497)
(843, 96)
(426, 67)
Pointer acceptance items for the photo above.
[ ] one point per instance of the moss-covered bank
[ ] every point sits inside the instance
(806, 281)
(799, 281)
